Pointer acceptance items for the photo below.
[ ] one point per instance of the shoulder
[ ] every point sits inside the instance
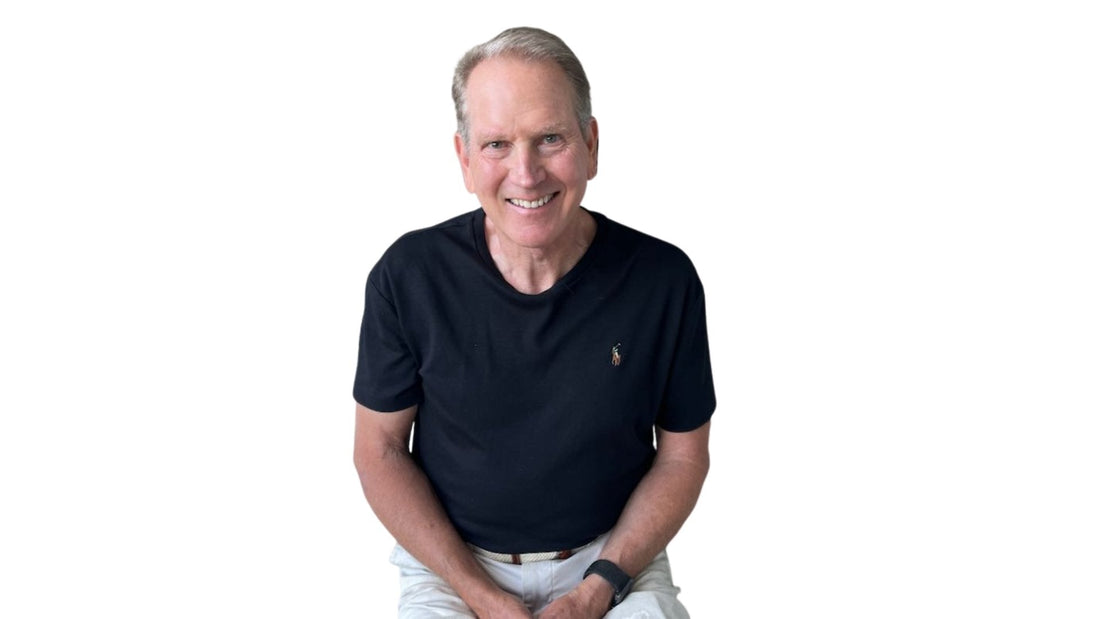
(661, 260)
(433, 239)
(422, 249)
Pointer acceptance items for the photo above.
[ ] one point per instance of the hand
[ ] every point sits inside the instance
(504, 607)
(571, 606)
(589, 600)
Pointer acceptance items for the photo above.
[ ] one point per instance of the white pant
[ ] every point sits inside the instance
(423, 594)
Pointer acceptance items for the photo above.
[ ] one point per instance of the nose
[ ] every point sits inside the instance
(527, 168)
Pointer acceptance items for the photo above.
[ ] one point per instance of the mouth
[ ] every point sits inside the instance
(532, 204)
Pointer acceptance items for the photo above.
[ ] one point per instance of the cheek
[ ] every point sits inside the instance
(569, 171)
(485, 177)
(580, 171)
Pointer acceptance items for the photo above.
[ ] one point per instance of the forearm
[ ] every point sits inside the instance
(402, 498)
(655, 512)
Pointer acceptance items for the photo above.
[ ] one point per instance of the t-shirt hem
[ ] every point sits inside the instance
(385, 405)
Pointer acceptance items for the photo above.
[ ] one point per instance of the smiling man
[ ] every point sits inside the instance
(528, 158)
(553, 362)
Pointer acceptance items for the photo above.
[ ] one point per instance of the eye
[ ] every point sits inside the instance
(495, 144)
(553, 138)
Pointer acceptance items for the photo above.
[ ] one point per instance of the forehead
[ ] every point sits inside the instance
(509, 93)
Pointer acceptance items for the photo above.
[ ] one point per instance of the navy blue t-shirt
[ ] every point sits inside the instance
(535, 413)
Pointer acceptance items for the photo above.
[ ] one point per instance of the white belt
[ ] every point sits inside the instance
(526, 557)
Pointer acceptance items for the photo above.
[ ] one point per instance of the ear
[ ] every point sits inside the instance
(464, 162)
(593, 144)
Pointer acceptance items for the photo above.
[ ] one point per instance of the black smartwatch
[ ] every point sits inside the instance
(618, 579)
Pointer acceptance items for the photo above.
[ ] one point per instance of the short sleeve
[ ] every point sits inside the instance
(689, 399)
(386, 377)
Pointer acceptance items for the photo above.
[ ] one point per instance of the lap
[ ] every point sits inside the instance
(423, 593)
(426, 595)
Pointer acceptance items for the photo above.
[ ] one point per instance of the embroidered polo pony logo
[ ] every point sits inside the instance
(616, 356)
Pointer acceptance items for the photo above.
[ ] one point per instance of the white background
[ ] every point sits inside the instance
(893, 207)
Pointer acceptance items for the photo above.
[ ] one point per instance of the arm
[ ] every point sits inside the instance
(656, 510)
(402, 498)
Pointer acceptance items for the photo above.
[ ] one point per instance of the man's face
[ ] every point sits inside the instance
(527, 159)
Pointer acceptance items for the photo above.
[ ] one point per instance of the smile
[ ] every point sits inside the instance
(532, 204)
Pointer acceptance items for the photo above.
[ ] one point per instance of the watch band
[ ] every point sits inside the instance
(619, 580)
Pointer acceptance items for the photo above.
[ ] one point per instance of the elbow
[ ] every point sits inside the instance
(366, 457)
(366, 468)
(702, 466)
(372, 462)
(359, 459)
(696, 464)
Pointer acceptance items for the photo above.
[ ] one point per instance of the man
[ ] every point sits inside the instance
(536, 347)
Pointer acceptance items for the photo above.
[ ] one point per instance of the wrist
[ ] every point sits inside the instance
(613, 576)
(596, 592)
(493, 604)
(481, 594)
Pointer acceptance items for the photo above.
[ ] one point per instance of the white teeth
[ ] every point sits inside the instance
(531, 203)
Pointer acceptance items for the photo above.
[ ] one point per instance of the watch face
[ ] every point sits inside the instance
(620, 595)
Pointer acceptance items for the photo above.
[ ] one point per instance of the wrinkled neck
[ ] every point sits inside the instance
(533, 270)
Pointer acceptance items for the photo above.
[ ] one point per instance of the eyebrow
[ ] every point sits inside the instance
(556, 128)
(496, 136)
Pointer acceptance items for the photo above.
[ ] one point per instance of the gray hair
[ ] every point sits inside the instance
(533, 45)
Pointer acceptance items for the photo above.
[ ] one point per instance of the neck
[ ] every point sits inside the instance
(532, 270)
